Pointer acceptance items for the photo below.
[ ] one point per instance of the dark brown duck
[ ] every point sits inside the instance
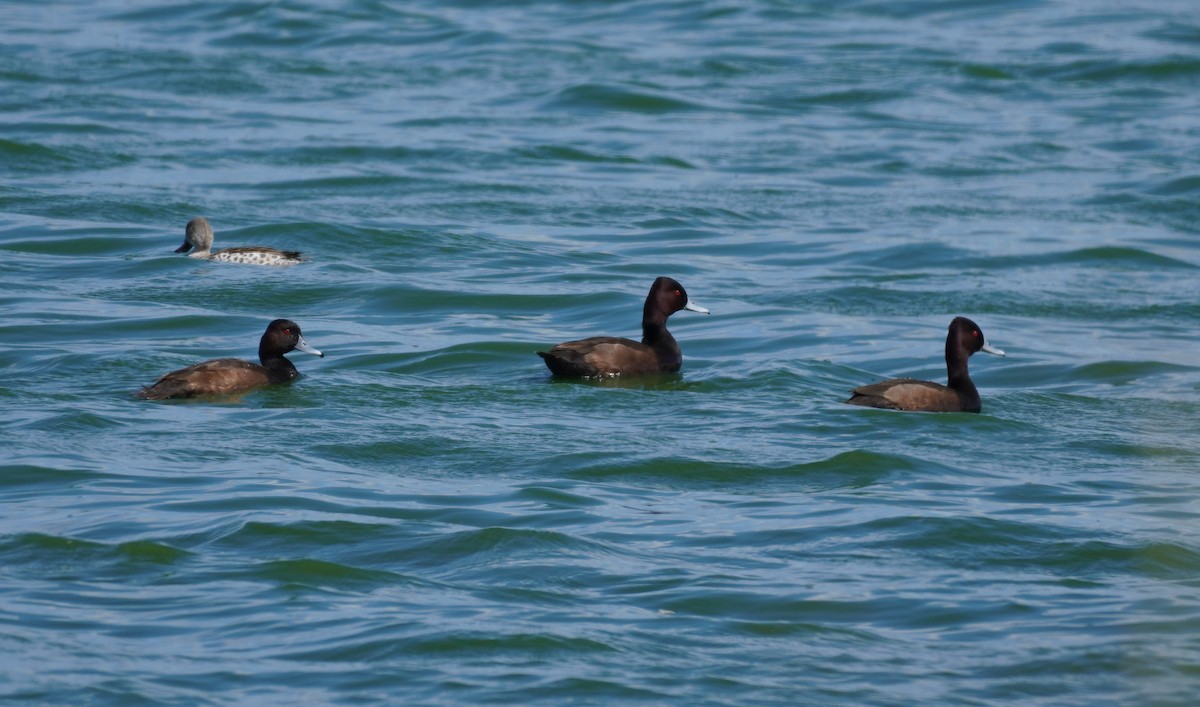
(964, 338)
(658, 352)
(223, 376)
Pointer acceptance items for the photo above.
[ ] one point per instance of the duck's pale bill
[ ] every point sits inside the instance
(302, 345)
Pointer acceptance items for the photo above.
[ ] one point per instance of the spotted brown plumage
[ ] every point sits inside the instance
(199, 235)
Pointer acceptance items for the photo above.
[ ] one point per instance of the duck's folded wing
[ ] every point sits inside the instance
(906, 394)
(601, 356)
(216, 377)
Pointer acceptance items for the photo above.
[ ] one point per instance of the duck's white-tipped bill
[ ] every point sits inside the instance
(694, 308)
(302, 345)
(992, 351)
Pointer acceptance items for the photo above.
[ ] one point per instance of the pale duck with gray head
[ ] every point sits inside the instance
(199, 235)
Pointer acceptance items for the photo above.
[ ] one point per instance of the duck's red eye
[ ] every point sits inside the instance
(975, 333)
(679, 293)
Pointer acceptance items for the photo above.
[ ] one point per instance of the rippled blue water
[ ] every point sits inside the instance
(427, 518)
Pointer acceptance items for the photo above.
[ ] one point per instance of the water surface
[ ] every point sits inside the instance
(426, 517)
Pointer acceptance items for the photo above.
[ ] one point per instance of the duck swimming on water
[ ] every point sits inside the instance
(658, 352)
(964, 338)
(199, 235)
(223, 376)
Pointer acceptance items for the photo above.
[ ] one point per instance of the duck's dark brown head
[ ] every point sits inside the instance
(282, 336)
(965, 338)
(666, 297)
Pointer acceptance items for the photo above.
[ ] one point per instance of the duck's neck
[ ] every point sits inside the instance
(656, 336)
(279, 369)
(958, 379)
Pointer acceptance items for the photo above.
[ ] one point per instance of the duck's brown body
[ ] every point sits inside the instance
(609, 356)
(220, 376)
(913, 394)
